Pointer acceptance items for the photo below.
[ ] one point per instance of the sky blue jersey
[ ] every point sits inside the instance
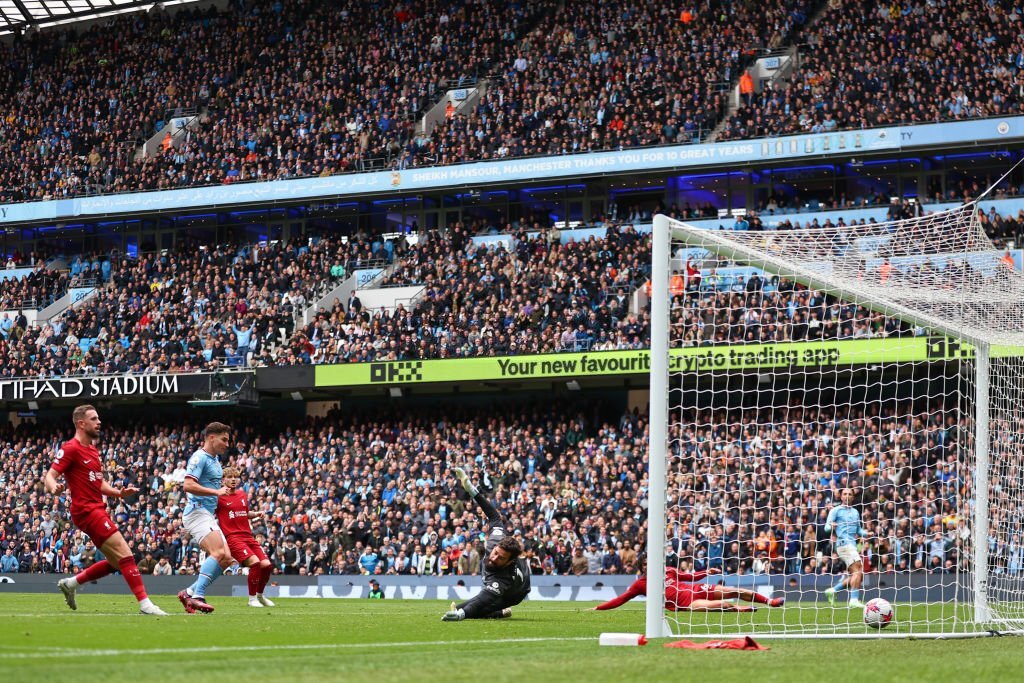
(206, 469)
(845, 521)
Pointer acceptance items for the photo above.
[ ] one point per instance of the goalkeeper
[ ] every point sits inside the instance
(506, 574)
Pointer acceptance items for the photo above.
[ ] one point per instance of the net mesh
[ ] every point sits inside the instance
(808, 362)
(939, 270)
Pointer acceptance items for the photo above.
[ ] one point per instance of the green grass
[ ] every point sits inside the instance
(314, 640)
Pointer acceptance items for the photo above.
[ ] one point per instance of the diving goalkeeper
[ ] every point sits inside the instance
(506, 574)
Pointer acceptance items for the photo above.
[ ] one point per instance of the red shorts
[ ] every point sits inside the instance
(96, 524)
(244, 547)
(684, 597)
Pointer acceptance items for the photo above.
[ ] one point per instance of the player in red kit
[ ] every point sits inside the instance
(234, 516)
(681, 593)
(80, 464)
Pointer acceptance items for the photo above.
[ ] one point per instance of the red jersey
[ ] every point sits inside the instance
(676, 595)
(83, 472)
(233, 514)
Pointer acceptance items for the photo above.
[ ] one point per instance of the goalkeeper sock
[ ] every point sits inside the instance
(208, 572)
(839, 586)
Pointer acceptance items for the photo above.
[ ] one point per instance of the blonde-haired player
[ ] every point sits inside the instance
(234, 517)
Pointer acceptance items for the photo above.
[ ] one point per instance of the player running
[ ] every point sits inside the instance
(202, 488)
(80, 464)
(506, 574)
(683, 594)
(844, 520)
(233, 515)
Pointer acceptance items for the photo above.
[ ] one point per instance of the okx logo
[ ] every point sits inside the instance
(397, 371)
(941, 348)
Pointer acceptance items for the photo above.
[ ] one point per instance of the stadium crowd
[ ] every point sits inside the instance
(36, 290)
(205, 307)
(913, 63)
(601, 76)
(182, 311)
(366, 491)
(291, 88)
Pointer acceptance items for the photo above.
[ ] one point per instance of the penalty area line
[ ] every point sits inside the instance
(282, 648)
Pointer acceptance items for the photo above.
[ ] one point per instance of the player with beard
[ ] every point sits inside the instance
(81, 465)
(506, 574)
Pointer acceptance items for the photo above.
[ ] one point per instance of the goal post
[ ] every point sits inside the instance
(884, 358)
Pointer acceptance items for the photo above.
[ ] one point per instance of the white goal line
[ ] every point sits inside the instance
(139, 652)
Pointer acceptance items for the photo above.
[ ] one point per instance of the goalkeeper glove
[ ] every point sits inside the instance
(463, 478)
(454, 615)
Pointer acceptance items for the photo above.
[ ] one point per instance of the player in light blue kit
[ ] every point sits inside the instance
(844, 521)
(202, 487)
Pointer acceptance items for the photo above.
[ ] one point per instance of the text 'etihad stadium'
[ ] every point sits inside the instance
(45, 389)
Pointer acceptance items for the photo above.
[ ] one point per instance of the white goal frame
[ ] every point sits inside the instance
(666, 232)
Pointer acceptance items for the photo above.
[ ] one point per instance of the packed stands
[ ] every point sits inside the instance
(292, 88)
(218, 306)
(898, 71)
(366, 491)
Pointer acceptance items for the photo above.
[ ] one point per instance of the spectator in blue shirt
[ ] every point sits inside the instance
(8, 563)
(716, 551)
(368, 561)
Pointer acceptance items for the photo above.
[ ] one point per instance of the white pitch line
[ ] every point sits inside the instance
(261, 648)
(72, 615)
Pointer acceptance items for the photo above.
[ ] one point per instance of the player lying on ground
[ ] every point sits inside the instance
(234, 517)
(81, 466)
(682, 594)
(506, 574)
(844, 520)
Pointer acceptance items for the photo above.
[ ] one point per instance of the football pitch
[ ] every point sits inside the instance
(392, 640)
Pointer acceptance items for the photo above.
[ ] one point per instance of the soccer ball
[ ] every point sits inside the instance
(878, 613)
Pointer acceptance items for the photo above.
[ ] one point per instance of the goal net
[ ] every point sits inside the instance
(883, 359)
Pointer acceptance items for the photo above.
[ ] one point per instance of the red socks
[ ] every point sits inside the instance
(95, 572)
(255, 574)
(132, 577)
(258, 578)
(265, 577)
(760, 598)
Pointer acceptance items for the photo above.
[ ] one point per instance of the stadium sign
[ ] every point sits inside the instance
(637, 362)
(104, 386)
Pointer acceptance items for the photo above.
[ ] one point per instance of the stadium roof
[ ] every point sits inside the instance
(22, 14)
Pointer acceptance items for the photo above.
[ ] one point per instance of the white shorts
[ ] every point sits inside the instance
(848, 554)
(199, 524)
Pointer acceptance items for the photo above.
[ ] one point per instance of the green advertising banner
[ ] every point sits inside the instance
(637, 362)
